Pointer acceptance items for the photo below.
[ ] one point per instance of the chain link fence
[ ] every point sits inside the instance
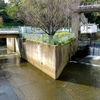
(45, 38)
(37, 35)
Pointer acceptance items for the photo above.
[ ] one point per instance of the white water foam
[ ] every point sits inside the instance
(89, 64)
(10, 54)
(1, 49)
(93, 57)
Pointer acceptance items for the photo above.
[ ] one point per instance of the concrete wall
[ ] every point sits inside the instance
(42, 56)
(50, 59)
(63, 55)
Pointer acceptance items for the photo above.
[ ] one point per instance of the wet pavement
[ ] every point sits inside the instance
(19, 80)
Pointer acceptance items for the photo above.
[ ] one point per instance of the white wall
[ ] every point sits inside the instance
(91, 28)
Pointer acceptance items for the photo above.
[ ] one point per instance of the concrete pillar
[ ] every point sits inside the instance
(75, 20)
(11, 43)
(75, 24)
(17, 46)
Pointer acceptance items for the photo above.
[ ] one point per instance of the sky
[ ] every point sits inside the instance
(6, 1)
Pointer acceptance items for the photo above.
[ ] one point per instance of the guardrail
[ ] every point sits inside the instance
(37, 35)
(95, 4)
(9, 30)
(45, 38)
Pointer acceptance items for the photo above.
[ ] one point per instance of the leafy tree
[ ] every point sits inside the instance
(3, 13)
(12, 9)
(93, 17)
(2, 6)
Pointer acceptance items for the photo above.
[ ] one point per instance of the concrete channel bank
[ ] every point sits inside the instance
(51, 59)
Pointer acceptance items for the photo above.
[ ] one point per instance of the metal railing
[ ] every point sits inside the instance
(45, 38)
(36, 35)
(95, 4)
(9, 30)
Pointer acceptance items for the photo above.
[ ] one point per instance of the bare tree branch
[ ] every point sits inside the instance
(49, 15)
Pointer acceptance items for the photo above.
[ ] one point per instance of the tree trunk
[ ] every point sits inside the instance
(50, 38)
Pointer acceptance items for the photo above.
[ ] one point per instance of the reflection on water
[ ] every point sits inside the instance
(82, 74)
(19, 80)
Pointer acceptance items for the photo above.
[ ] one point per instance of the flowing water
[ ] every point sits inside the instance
(95, 48)
(19, 80)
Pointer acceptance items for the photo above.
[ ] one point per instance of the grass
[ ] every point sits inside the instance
(60, 34)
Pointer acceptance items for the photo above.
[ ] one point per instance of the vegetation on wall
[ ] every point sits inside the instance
(60, 38)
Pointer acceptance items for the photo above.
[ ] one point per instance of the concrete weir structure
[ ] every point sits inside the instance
(51, 59)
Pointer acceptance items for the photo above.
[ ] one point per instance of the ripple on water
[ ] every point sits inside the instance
(77, 81)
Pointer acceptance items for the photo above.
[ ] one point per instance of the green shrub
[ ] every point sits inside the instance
(1, 22)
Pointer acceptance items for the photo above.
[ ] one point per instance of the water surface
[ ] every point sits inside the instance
(19, 80)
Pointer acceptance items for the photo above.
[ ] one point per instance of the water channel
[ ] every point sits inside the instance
(19, 80)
